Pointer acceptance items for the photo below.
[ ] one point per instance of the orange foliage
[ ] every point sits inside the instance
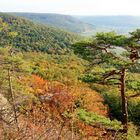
(57, 87)
(90, 99)
(39, 85)
(56, 98)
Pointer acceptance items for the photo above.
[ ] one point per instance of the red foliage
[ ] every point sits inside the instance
(61, 101)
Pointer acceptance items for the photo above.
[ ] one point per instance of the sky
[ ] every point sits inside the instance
(73, 7)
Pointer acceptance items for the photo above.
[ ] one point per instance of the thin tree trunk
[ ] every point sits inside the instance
(72, 124)
(12, 98)
(124, 102)
(60, 132)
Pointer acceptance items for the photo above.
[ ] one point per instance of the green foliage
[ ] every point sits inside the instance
(92, 118)
(135, 85)
(33, 37)
(134, 114)
(63, 68)
(113, 100)
(61, 21)
(107, 38)
(90, 78)
(81, 50)
(136, 34)
(112, 38)
(132, 133)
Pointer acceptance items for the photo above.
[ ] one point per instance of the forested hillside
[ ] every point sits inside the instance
(56, 85)
(28, 36)
(66, 22)
(86, 25)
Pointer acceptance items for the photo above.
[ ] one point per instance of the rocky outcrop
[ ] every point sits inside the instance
(6, 111)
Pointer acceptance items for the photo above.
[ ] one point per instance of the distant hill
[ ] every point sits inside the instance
(34, 37)
(66, 22)
(86, 25)
(120, 24)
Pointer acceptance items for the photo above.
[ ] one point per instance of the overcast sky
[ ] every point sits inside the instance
(73, 7)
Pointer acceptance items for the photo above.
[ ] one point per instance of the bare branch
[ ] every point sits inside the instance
(133, 96)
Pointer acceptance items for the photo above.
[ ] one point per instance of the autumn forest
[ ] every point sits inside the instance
(60, 84)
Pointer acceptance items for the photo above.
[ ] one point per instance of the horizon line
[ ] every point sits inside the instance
(69, 14)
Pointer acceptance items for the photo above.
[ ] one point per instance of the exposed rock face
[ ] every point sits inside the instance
(6, 111)
(3, 101)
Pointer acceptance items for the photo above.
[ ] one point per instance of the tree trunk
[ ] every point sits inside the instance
(12, 98)
(124, 102)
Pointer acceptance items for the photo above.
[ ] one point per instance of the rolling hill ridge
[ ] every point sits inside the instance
(65, 22)
(27, 35)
